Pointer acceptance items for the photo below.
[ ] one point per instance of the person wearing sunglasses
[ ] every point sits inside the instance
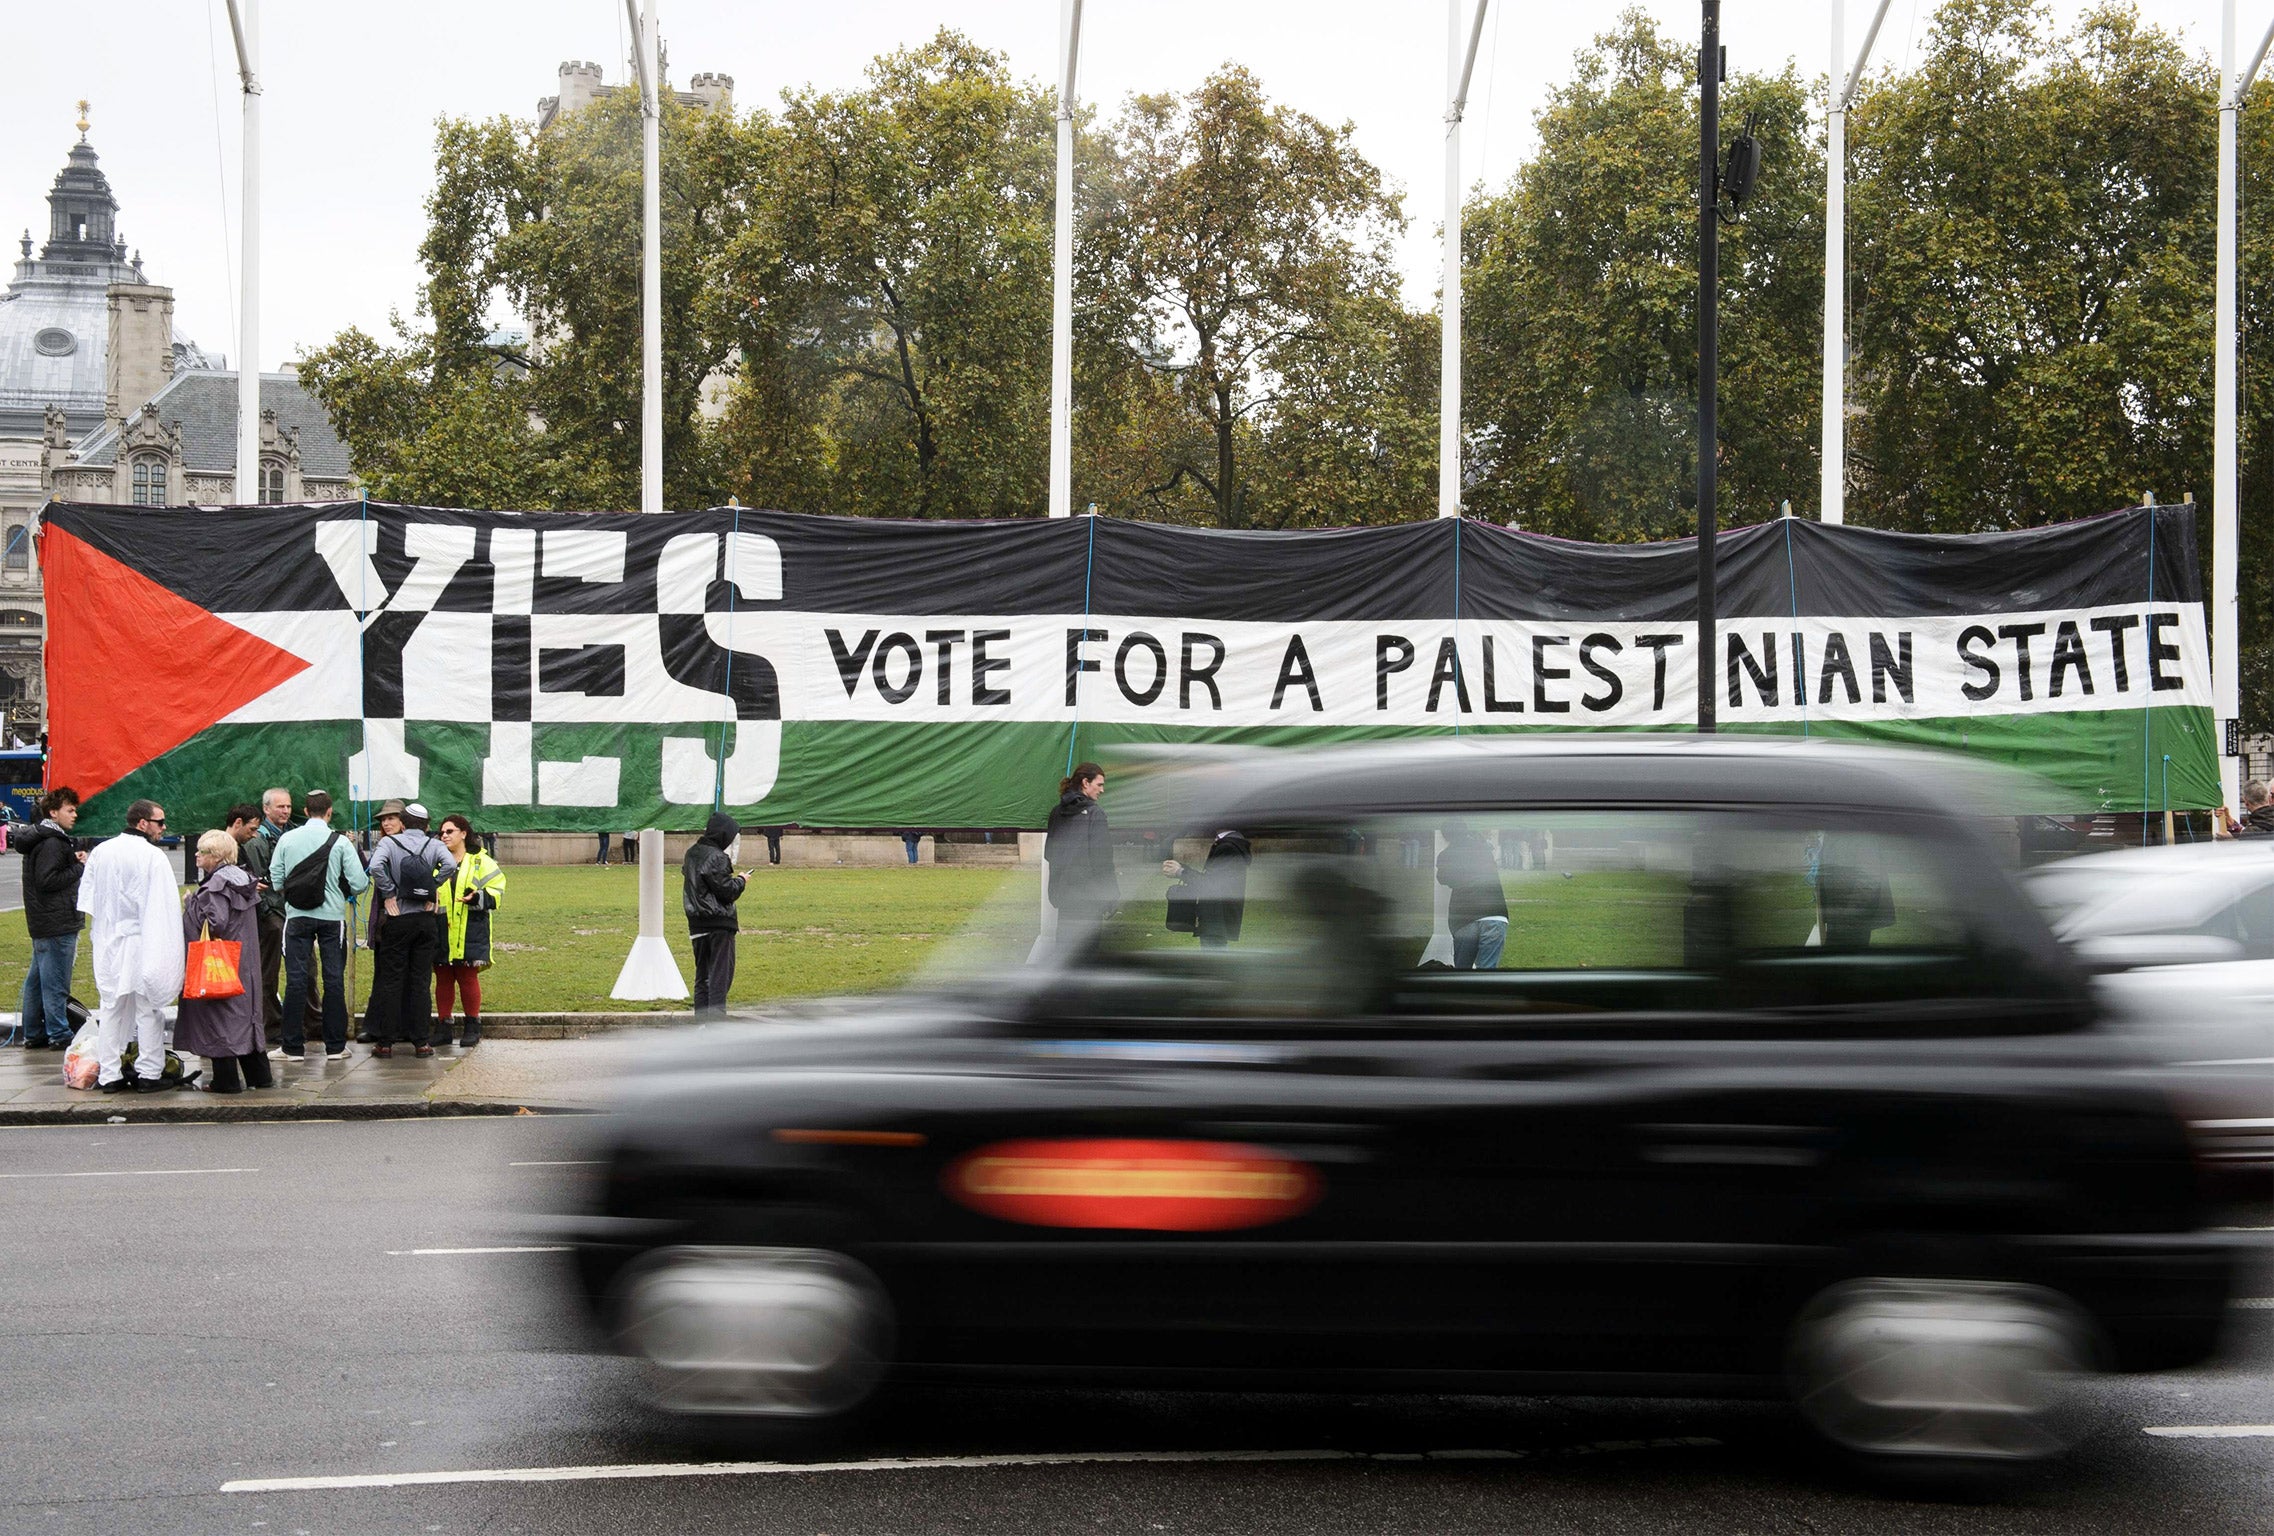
(134, 912)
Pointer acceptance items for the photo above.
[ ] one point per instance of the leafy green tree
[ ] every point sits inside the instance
(891, 293)
(2031, 227)
(1248, 362)
(548, 225)
(1580, 322)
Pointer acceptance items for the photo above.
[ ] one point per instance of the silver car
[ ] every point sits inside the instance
(2181, 941)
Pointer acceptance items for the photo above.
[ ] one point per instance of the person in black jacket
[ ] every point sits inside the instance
(1477, 907)
(1078, 849)
(52, 862)
(710, 886)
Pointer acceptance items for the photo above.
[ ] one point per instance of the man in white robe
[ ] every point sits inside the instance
(134, 911)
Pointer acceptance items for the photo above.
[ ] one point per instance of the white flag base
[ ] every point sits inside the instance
(651, 971)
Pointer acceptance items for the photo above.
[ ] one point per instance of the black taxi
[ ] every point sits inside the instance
(1615, 1065)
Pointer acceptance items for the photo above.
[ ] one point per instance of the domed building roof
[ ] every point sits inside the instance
(55, 316)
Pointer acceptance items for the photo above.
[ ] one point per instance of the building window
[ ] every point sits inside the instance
(272, 480)
(149, 482)
(19, 548)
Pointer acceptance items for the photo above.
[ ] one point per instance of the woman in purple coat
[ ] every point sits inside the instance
(227, 1030)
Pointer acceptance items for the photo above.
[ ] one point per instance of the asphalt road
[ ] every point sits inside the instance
(187, 1306)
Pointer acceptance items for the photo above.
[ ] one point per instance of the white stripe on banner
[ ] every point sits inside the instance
(1196, 673)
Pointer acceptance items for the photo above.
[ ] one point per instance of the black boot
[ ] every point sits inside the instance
(226, 1077)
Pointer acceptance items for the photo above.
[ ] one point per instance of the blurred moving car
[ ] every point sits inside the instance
(2182, 944)
(1780, 1087)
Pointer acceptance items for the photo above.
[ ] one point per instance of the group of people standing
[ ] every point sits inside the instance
(280, 892)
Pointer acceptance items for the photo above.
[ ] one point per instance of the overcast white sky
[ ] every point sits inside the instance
(353, 93)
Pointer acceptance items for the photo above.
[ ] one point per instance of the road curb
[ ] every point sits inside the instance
(574, 1026)
(113, 1112)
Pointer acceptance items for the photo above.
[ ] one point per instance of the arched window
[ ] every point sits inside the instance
(18, 547)
(149, 482)
(272, 480)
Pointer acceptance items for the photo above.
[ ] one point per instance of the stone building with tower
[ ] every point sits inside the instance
(101, 400)
(581, 84)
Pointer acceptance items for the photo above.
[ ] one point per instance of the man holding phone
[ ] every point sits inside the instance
(711, 886)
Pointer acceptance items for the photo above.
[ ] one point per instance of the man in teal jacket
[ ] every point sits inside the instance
(319, 929)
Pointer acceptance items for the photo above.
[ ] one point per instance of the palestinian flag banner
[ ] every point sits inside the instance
(576, 671)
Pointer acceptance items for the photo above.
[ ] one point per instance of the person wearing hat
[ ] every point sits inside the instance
(408, 870)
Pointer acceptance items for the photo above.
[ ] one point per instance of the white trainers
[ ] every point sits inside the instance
(342, 1054)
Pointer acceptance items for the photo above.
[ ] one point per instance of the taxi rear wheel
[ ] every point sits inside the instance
(1940, 1380)
(764, 1338)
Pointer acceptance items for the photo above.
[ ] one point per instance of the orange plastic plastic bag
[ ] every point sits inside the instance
(212, 972)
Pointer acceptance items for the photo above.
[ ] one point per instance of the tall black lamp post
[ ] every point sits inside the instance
(1744, 168)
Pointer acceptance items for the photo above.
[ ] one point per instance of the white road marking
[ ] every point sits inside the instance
(2254, 1303)
(2212, 1431)
(125, 1173)
(570, 1162)
(664, 1469)
(412, 1253)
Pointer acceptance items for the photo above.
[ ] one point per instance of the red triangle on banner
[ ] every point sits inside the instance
(133, 671)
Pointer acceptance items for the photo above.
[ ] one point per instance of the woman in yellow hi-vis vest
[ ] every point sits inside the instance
(464, 903)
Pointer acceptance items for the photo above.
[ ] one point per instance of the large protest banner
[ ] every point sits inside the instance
(587, 671)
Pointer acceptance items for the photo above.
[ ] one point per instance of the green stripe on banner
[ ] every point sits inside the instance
(1005, 774)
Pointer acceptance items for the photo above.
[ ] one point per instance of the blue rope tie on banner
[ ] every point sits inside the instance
(1089, 568)
(1792, 591)
(2147, 716)
(718, 768)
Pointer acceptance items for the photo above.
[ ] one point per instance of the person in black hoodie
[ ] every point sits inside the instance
(1078, 848)
(710, 886)
(52, 862)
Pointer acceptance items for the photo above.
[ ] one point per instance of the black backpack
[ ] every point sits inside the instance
(304, 887)
(415, 881)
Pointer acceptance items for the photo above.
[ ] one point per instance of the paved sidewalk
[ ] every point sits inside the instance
(496, 1077)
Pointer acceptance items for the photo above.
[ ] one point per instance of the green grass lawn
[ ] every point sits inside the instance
(564, 930)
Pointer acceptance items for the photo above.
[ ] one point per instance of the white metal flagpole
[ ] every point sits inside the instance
(651, 256)
(2226, 507)
(1062, 271)
(649, 970)
(244, 28)
(1833, 498)
(1460, 64)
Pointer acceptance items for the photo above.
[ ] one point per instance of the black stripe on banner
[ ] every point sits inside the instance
(242, 559)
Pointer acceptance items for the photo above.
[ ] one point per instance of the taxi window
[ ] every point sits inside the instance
(1705, 912)
(1544, 914)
